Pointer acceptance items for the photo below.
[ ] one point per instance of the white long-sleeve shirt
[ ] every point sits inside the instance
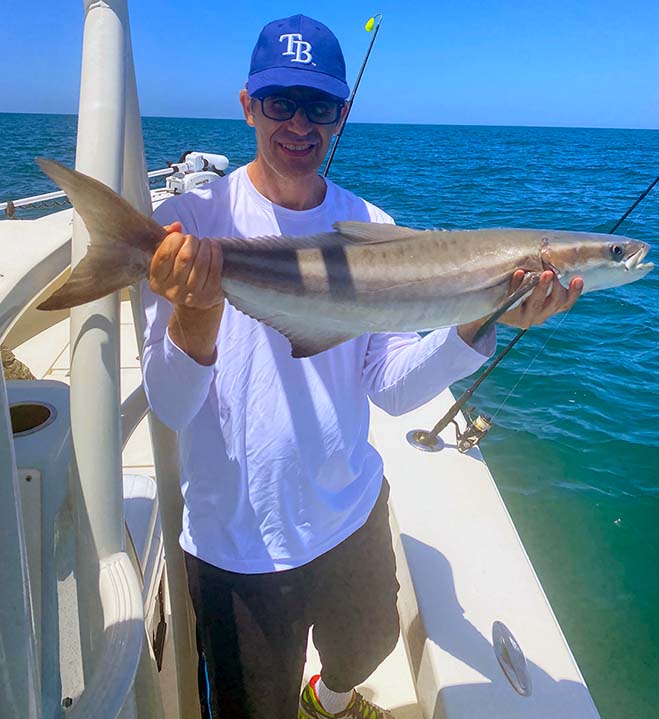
(276, 467)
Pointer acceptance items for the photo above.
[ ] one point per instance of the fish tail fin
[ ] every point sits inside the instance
(122, 240)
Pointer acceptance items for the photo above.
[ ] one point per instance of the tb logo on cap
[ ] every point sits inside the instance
(298, 47)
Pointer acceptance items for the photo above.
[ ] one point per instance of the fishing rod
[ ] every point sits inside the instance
(430, 441)
(370, 24)
(478, 427)
(638, 201)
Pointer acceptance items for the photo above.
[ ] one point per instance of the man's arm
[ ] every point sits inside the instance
(181, 333)
(402, 372)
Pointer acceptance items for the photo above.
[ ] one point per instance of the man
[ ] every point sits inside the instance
(285, 524)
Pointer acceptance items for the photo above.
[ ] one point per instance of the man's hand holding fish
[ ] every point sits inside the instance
(187, 271)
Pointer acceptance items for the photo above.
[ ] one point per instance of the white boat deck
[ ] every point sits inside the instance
(47, 355)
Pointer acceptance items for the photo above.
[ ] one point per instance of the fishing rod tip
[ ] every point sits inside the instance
(370, 23)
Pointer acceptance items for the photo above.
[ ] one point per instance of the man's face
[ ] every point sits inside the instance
(294, 147)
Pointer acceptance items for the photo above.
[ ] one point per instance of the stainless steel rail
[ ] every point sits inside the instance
(47, 197)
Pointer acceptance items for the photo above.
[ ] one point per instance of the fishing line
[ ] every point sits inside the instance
(540, 351)
(633, 221)
(477, 428)
(634, 205)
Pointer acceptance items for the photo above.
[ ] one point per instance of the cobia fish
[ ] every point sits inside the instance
(324, 289)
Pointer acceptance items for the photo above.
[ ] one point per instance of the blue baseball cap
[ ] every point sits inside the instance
(297, 51)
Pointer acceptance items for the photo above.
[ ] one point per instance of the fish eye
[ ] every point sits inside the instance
(616, 252)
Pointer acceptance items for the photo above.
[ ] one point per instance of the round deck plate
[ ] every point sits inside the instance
(511, 659)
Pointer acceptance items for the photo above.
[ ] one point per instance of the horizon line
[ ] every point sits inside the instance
(423, 124)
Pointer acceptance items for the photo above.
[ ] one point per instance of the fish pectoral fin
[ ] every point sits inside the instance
(309, 345)
(305, 339)
(369, 233)
(530, 281)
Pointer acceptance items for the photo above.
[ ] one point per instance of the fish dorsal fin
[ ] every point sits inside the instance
(346, 233)
(363, 233)
(274, 243)
(370, 233)
(306, 344)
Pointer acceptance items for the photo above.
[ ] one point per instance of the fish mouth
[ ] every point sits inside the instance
(635, 261)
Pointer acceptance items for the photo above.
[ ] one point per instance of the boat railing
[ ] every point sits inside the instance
(51, 200)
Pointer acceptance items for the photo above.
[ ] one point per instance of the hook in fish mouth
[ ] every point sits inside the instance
(635, 261)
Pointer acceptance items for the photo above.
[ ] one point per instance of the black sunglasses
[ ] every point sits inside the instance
(319, 112)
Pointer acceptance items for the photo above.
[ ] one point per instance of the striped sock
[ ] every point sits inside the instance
(332, 702)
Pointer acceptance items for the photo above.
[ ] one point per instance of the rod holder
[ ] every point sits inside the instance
(29, 417)
(425, 440)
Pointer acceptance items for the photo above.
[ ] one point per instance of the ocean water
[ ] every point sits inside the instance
(574, 449)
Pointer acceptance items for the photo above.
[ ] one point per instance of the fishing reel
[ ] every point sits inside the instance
(477, 427)
(430, 441)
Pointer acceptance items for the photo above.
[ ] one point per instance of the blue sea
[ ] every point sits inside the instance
(574, 449)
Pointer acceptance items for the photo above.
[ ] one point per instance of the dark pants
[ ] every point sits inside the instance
(252, 629)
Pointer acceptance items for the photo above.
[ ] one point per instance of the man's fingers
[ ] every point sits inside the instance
(162, 264)
(548, 298)
(516, 280)
(186, 270)
(214, 279)
(536, 301)
(555, 300)
(185, 260)
(574, 292)
(199, 270)
(560, 299)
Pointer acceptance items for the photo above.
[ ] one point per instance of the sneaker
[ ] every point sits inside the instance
(359, 708)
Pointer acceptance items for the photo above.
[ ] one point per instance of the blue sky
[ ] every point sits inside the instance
(589, 63)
